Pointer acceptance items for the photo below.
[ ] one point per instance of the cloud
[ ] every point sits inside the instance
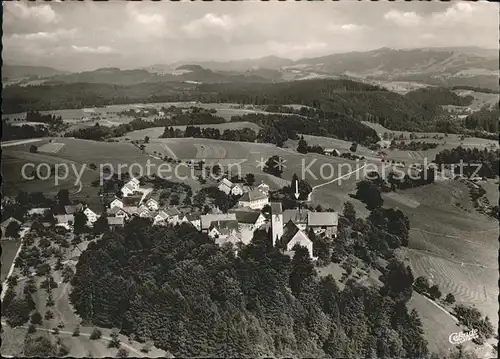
(45, 36)
(456, 13)
(210, 25)
(40, 13)
(345, 28)
(145, 24)
(405, 19)
(93, 50)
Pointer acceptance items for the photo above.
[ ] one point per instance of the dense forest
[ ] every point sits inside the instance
(417, 111)
(241, 135)
(279, 128)
(176, 287)
(485, 119)
(487, 159)
(46, 125)
(100, 133)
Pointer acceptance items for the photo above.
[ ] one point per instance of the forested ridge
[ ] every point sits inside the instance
(176, 287)
(418, 110)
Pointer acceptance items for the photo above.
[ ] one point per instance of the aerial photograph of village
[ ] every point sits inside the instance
(250, 179)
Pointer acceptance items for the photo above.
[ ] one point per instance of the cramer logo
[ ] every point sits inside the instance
(462, 337)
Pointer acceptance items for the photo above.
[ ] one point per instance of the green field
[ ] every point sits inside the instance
(9, 250)
(156, 132)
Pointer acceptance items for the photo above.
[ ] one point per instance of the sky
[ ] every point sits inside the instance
(79, 36)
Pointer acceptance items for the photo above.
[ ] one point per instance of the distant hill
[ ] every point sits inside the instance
(11, 72)
(183, 73)
(112, 75)
(446, 66)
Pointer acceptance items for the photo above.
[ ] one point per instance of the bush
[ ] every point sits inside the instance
(48, 315)
(36, 318)
(421, 285)
(76, 332)
(122, 353)
(434, 292)
(31, 329)
(63, 351)
(450, 298)
(114, 342)
(55, 330)
(96, 334)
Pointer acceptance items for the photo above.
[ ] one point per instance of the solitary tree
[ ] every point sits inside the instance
(302, 145)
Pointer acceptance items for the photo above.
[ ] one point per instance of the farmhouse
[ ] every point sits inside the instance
(331, 152)
(131, 204)
(223, 229)
(6, 223)
(115, 222)
(160, 219)
(144, 212)
(116, 203)
(230, 188)
(250, 219)
(254, 199)
(192, 218)
(263, 187)
(91, 216)
(152, 204)
(130, 187)
(323, 223)
(207, 219)
(248, 222)
(118, 212)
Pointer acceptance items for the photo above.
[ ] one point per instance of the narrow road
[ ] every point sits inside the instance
(125, 345)
(21, 142)
(333, 180)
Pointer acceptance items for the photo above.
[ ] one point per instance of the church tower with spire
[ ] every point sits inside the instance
(276, 222)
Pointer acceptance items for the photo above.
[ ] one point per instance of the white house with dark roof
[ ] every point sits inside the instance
(144, 212)
(130, 187)
(91, 216)
(160, 218)
(263, 187)
(116, 203)
(251, 219)
(254, 199)
(207, 219)
(230, 188)
(118, 212)
(223, 229)
(152, 204)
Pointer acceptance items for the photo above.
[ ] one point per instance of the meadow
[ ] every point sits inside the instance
(9, 250)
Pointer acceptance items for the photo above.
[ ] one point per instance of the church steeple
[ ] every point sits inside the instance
(276, 222)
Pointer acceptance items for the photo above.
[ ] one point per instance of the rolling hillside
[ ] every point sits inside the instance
(15, 71)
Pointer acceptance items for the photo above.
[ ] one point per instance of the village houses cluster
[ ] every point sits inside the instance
(287, 228)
